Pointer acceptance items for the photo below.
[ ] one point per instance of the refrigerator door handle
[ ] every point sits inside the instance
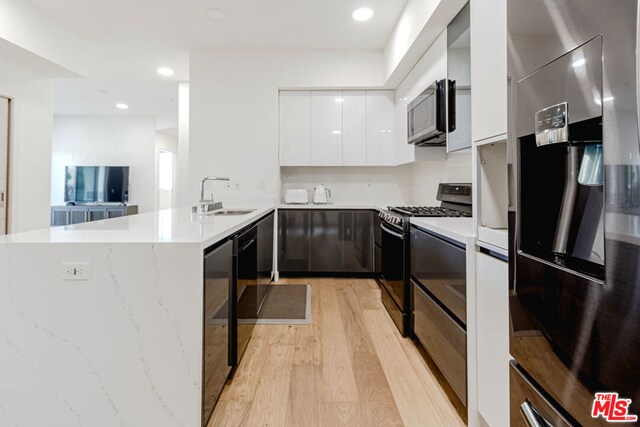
(532, 417)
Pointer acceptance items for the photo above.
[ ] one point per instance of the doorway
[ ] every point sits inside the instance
(166, 173)
(5, 106)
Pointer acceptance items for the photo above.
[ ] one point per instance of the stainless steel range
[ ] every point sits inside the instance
(395, 269)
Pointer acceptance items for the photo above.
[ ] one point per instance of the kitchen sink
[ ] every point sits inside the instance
(232, 212)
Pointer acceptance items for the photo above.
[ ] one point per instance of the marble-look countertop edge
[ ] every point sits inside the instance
(458, 229)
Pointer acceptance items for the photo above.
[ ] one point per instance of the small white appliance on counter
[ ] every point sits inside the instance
(296, 197)
(321, 195)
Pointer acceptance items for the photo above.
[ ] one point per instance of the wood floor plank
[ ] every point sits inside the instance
(305, 399)
(229, 414)
(376, 400)
(368, 298)
(342, 414)
(271, 403)
(349, 367)
(417, 407)
(252, 366)
(337, 370)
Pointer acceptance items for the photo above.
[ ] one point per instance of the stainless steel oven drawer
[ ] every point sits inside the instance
(527, 406)
(443, 338)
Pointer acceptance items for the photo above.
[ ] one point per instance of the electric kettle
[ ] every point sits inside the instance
(321, 195)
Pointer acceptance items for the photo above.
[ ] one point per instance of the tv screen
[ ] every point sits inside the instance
(97, 184)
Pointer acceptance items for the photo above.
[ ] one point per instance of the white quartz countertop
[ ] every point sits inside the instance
(458, 229)
(166, 226)
(336, 205)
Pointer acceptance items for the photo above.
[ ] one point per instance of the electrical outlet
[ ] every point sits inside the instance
(76, 271)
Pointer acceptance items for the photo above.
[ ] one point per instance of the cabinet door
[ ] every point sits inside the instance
(326, 250)
(380, 128)
(493, 339)
(357, 242)
(97, 214)
(265, 250)
(403, 152)
(78, 216)
(59, 217)
(326, 128)
(218, 274)
(354, 128)
(294, 234)
(489, 68)
(116, 212)
(295, 128)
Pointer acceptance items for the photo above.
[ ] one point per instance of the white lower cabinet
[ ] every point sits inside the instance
(492, 305)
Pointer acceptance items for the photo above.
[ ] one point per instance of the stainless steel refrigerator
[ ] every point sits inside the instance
(574, 216)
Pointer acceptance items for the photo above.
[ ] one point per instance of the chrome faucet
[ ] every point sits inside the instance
(207, 205)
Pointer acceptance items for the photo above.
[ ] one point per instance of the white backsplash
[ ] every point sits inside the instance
(456, 167)
(359, 185)
(415, 183)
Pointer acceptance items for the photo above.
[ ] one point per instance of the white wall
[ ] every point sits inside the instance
(234, 110)
(30, 151)
(417, 28)
(107, 141)
(166, 140)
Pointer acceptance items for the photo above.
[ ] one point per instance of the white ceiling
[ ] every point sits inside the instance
(129, 39)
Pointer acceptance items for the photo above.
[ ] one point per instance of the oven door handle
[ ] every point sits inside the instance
(532, 416)
(393, 233)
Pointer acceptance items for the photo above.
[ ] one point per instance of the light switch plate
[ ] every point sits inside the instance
(75, 271)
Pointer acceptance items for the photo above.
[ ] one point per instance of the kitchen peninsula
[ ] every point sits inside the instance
(122, 343)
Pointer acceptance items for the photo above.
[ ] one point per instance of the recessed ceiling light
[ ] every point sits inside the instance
(215, 14)
(164, 71)
(336, 132)
(122, 106)
(362, 14)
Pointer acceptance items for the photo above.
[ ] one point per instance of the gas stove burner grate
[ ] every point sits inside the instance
(433, 211)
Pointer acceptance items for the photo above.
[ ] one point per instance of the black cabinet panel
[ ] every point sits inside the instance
(326, 241)
(218, 277)
(294, 232)
(326, 250)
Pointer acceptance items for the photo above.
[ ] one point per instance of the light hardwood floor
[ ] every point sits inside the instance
(349, 367)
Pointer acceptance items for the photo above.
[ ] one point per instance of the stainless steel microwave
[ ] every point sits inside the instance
(432, 114)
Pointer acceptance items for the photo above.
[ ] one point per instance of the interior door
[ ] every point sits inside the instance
(4, 162)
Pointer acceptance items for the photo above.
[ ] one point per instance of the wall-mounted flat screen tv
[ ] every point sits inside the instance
(96, 184)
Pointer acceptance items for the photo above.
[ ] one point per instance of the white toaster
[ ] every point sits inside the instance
(296, 197)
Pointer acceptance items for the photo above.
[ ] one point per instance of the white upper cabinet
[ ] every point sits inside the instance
(489, 68)
(354, 128)
(380, 111)
(326, 128)
(404, 152)
(337, 128)
(295, 128)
